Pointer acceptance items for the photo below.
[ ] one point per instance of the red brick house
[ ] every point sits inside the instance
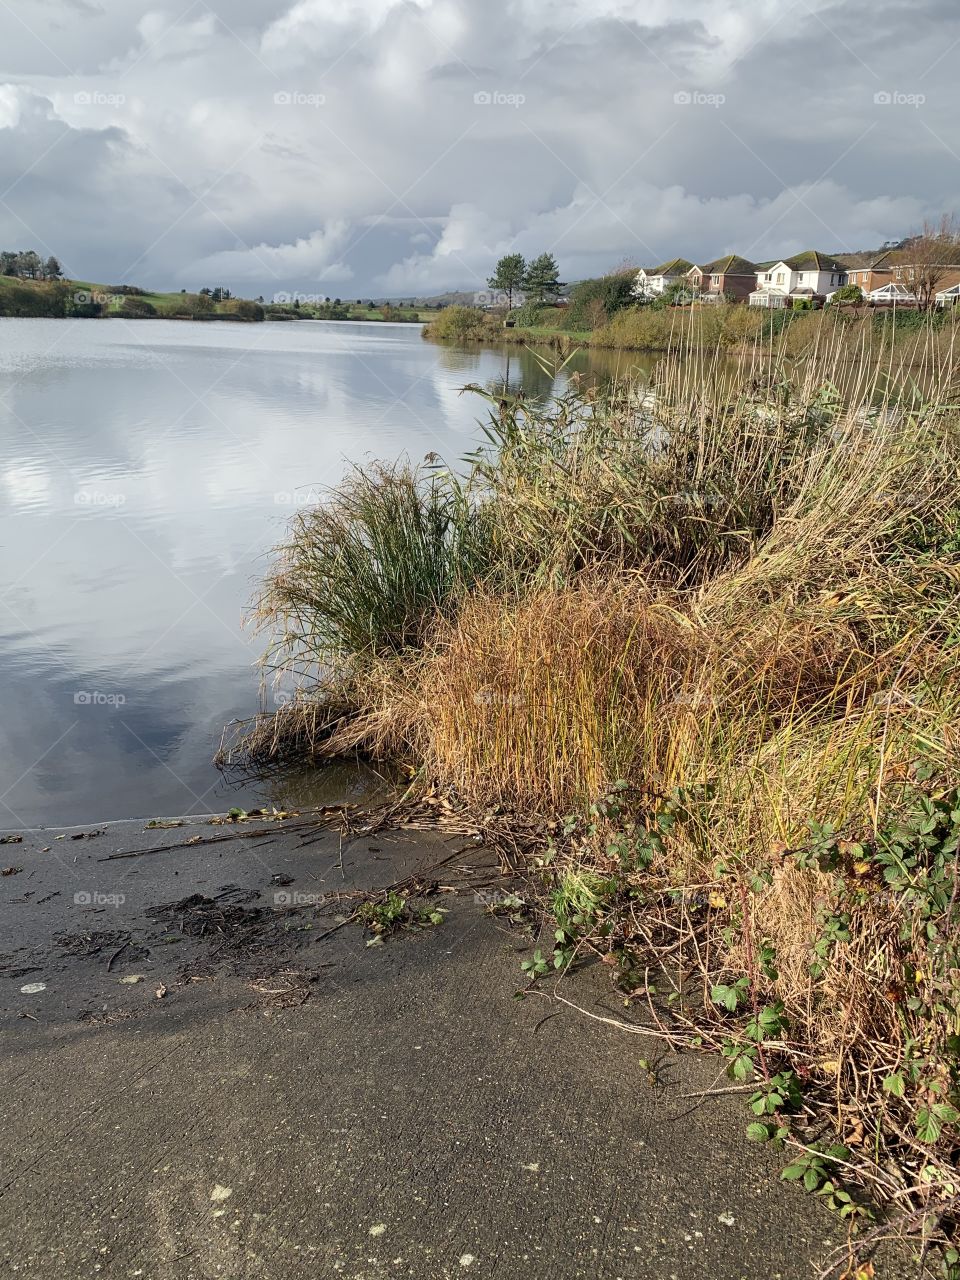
(731, 278)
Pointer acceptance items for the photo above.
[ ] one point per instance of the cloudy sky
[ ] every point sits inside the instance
(357, 147)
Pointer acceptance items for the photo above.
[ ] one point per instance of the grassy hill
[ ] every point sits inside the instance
(57, 298)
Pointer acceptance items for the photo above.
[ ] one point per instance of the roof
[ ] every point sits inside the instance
(676, 266)
(869, 258)
(731, 265)
(892, 290)
(814, 260)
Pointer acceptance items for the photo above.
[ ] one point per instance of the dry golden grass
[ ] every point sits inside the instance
(736, 591)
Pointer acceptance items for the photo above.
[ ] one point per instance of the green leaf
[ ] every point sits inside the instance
(895, 1084)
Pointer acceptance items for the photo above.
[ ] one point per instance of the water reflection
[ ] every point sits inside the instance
(145, 471)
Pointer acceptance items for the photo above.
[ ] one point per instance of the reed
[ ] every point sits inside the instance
(705, 631)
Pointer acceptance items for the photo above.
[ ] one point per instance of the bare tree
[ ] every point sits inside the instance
(925, 259)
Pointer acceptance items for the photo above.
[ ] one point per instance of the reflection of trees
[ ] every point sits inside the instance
(460, 359)
(542, 372)
(536, 373)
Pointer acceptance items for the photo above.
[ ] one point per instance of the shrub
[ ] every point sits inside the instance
(460, 324)
(136, 308)
(593, 302)
(528, 316)
(244, 309)
(849, 293)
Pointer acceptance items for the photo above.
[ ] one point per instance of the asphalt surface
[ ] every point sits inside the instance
(274, 1098)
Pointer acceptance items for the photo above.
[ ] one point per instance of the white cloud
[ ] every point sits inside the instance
(9, 106)
(311, 258)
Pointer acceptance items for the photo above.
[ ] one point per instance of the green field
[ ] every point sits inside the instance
(59, 298)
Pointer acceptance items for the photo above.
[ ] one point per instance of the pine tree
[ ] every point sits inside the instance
(540, 280)
(508, 277)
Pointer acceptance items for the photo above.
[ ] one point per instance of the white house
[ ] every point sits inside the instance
(948, 297)
(652, 281)
(808, 277)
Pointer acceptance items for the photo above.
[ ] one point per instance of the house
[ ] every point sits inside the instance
(807, 277)
(730, 278)
(890, 276)
(651, 282)
(869, 271)
(948, 297)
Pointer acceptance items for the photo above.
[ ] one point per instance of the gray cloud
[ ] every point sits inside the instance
(400, 145)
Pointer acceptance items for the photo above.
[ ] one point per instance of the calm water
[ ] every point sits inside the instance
(145, 472)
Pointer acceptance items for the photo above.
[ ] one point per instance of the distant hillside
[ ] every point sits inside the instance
(56, 299)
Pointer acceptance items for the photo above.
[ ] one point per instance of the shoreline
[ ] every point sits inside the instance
(318, 1072)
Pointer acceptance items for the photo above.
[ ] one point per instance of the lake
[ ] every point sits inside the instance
(146, 470)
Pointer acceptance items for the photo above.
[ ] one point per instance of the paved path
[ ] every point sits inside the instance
(298, 1106)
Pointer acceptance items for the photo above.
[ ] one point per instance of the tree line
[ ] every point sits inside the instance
(539, 279)
(26, 264)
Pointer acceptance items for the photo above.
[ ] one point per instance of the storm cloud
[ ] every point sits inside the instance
(359, 147)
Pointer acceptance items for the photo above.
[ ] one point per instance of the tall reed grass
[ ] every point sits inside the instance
(732, 595)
